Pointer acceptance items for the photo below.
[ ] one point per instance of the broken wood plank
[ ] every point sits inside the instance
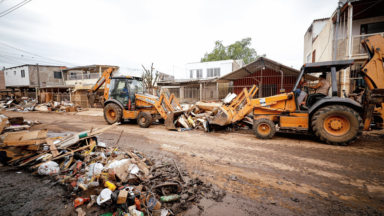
(61, 156)
(52, 147)
(23, 142)
(32, 159)
(16, 120)
(21, 127)
(26, 135)
(34, 147)
(102, 130)
(21, 157)
(3, 123)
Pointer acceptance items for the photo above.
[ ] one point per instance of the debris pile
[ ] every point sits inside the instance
(23, 104)
(28, 104)
(120, 181)
(63, 106)
(11, 124)
(207, 116)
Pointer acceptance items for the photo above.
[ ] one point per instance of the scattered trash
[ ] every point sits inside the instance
(80, 201)
(80, 212)
(104, 196)
(124, 181)
(170, 198)
(29, 104)
(48, 168)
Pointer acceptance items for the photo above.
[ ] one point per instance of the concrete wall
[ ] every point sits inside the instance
(46, 75)
(225, 68)
(307, 45)
(313, 31)
(13, 76)
(323, 43)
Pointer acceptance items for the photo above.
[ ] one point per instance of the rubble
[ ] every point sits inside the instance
(120, 180)
(28, 104)
(201, 114)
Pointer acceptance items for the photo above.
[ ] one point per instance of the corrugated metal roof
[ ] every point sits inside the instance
(181, 81)
(255, 66)
(34, 65)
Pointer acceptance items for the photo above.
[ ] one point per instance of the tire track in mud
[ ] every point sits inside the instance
(337, 178)
(263, 166)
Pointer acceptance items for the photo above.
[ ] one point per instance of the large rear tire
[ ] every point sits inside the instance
(264, 128)
(144, 119)
(337, 125)
(113, 113)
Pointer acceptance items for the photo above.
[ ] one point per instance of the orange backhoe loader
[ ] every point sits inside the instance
(125, 98)
(334, 120)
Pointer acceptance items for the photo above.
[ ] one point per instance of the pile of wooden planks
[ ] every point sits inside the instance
(30, 148)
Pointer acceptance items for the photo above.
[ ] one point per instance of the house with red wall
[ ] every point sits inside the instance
(270, 76)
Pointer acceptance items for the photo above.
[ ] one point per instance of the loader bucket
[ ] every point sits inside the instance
(171, 117)
(221, 118)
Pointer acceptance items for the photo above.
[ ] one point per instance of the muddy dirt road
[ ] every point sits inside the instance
(287, 175)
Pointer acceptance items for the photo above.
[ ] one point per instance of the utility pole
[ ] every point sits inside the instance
(336, 31)
(38, 84)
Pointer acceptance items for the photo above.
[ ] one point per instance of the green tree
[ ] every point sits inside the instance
(239, 50)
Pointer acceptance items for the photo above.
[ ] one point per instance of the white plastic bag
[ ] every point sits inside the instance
(48, 168)
(133, 169)
(117, 163)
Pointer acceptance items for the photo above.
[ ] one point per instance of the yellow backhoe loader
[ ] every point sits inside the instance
(334, 120)
(125, 98)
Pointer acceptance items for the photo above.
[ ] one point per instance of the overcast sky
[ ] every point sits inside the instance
(169, 33)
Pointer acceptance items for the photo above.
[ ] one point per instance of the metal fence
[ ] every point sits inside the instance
(357, 47)
(81, 98)
(191, 95)
(84, 76)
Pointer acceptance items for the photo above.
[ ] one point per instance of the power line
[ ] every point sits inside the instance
(35, 54)
(11, 59)
(34, 60)
(14, 8)
(14, 55)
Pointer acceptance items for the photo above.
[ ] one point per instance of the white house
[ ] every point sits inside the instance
(204, 70)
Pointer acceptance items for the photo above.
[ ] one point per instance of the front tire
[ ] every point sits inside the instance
(264, 128)
(112, 113)
(144, 119)
(337, 125)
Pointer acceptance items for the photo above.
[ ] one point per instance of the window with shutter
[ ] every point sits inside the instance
(57, 74)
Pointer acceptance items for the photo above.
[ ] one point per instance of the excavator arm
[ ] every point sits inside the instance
(105, 78)
(372, 72)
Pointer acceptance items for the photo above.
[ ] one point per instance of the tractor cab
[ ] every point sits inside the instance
(124, 88)
(306, 98)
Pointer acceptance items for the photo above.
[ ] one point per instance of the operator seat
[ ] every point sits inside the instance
(313, 98)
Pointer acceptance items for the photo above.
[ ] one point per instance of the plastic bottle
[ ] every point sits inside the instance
(97, 168)
(80, 201)
(170, 198)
